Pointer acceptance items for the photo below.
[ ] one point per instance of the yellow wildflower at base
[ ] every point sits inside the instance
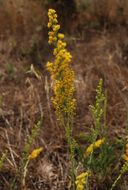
(91, 147)
(99, 142)
(35, 153)
(81, 180)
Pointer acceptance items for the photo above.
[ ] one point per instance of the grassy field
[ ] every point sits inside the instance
(51, 145)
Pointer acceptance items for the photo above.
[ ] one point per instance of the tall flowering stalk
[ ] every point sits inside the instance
(61, 72)
(63, 80)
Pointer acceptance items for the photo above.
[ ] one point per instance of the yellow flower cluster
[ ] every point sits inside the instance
(61, 72)
(35, 153)
(125, 156)
(91, 147)
(81, 180)
(53, 24)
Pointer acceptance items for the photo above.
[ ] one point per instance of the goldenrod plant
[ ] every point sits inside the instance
(34, 154)
(97, 138)
(61, 72)
(31, 138)
(97, 113)
(26, 156)
(98, 157)
(97, 109)
(62, 77)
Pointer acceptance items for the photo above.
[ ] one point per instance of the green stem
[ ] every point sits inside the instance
(24, 174)
(115, 182)
(70, 142)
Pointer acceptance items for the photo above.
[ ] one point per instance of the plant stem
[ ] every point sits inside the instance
(24, 174)
(70, 142)
(115, 182)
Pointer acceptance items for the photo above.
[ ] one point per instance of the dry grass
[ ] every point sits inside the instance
(102, 57)
(21, 17)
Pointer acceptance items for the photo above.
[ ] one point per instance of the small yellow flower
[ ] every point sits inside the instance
(91, 147)
(35, 153)
(89, 150)
(61, 36)
(99, 142)
(56, 28)
(49, 24)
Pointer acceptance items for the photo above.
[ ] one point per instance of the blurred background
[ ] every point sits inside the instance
(26, 20)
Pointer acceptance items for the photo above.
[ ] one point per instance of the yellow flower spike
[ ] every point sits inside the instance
(61, 72)
(99, 142)
(35, 153)
(52, 11)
